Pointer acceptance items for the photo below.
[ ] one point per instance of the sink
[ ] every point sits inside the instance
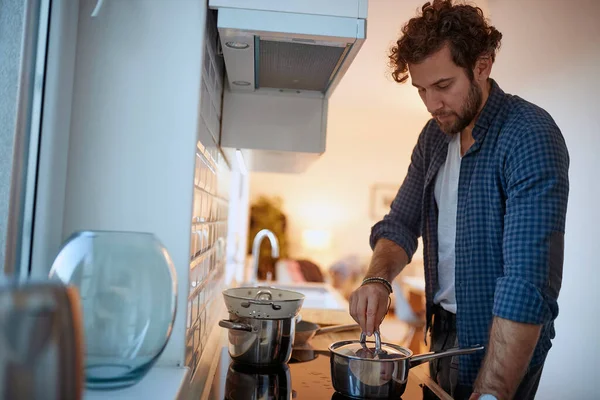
(321, 296)
(317, 296)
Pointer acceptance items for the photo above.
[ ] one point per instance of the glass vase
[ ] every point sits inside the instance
(127, 283)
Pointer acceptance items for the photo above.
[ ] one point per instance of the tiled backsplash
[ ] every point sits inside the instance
(211, 204)
(207, 254)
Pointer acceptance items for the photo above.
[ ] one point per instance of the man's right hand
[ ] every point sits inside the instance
(368, 306)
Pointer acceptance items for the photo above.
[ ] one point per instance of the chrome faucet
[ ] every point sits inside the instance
(256, 250)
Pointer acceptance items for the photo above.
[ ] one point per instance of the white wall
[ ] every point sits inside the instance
(550, 55)
(134, 122)
(237, 226)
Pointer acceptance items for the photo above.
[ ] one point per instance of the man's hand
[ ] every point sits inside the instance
(369, 303)
(509, 351)
(368, 306)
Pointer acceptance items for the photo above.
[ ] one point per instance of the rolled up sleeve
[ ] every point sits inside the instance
(402, 224)
(537, 192)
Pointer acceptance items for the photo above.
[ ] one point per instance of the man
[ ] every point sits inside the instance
(487, 190)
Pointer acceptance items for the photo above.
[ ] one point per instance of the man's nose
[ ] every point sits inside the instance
(433, 102)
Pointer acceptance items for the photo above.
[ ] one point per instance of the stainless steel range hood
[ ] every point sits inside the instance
(301, 45)
(283, 60)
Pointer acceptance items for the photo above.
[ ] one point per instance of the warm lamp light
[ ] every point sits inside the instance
(316, 239)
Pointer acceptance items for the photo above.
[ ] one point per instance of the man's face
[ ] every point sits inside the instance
(449, 95)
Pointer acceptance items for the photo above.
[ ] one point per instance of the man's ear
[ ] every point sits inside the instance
(483, 68)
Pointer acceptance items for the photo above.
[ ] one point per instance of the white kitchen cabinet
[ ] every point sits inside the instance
(277, 132)
(338, 8)
(274, 122)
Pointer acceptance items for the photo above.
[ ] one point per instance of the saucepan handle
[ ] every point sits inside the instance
(236, 326)
(456, 351)
(338, 328)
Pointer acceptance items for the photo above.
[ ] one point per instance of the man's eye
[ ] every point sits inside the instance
(443, 87)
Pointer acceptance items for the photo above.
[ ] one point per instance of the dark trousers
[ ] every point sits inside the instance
(445, 370)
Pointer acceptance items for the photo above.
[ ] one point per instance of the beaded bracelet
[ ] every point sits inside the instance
(378, 279)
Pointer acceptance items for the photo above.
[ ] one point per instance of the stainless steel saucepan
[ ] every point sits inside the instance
(379, 371)
(260, 342)
(261, 324)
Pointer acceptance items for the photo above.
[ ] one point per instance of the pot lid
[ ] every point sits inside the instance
(263, 294)
(363, 350)
(263, 302)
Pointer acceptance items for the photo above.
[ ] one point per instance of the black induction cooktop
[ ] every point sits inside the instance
(307, 376)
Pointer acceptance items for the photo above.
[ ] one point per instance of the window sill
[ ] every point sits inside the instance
(163, 383)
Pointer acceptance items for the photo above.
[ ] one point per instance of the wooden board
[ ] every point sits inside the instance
(422, 373)
(326, 317)
(324, 340)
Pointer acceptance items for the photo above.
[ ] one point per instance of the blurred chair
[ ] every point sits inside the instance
(311, 271)
(288, 272)
(298, 271)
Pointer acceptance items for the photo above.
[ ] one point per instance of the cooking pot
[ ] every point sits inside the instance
(260, 342)
(261, 324)
(379, 371)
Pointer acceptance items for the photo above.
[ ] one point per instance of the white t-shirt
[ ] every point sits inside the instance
(446, 197)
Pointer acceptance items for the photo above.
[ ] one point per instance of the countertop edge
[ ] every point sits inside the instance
(160, 382)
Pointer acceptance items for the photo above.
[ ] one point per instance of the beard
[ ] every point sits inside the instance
(467, 114)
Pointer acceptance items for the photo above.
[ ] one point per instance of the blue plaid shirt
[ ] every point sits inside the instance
(512, 201)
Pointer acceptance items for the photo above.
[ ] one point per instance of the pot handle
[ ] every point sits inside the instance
(263, 295)
(247, 303)
(363, 335)
(363, 342)
(236, 326)
(456, 351)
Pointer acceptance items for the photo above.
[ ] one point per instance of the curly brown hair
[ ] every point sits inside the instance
(462, 26)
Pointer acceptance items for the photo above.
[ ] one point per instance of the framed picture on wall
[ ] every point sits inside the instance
(382, 195)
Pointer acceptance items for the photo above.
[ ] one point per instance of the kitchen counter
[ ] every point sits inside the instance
(310, 379)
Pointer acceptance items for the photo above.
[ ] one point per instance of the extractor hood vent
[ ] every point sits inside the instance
(299, 66)
(296, 45)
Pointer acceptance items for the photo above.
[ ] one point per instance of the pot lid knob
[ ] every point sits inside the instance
(264, 294)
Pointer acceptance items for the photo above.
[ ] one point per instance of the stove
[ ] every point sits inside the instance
(306, 376)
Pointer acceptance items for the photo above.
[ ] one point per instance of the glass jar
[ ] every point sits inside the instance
(128, 288)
